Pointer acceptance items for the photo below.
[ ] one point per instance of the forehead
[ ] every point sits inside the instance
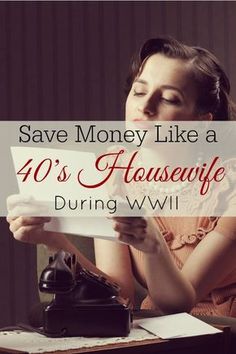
(159, 69)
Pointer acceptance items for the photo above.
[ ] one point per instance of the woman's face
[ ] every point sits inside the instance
(164, 91)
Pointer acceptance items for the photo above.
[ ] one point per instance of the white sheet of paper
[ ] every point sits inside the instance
(46, 190)
(176, 325)
(84, 226)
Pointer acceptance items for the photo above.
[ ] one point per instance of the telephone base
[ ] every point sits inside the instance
(90, 320)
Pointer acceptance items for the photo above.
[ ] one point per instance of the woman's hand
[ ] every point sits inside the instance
(26, 228)
(139, 232)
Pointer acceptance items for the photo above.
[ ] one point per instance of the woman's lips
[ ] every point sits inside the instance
(138, 120)
(141, 123)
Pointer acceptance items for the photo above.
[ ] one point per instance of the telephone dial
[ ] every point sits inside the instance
(84, 303)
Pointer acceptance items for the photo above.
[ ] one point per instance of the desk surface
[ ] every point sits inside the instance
(217, 343)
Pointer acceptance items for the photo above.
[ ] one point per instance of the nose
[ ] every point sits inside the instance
(148, 108)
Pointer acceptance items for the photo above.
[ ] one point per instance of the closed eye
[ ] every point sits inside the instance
(138, 93)
(174, 101)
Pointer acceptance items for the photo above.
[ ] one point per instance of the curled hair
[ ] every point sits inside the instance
(213, 86)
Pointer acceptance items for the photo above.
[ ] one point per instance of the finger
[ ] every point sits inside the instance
(29, 234)
(11, 218)
(27, 221)
(135, 221)
(14, 199)
(129, 239)
(138, 232)
(28, 210)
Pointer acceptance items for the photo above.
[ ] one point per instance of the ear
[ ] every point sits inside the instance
(206, 116)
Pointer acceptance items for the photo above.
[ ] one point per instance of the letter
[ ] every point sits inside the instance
(62, 136)
(37, 136)
(158, 140)
(129, 136)
(206, 180)
(178, 134)
(135, 203)
(63, 176)
(21, 140)
(211, 136)
(219, 172)
(104, 133)
(192, 136)
(109, 168)
(112, 205)
(141, 136)
(85, 138)
(115, 136)
(57, 201)
(157, 203)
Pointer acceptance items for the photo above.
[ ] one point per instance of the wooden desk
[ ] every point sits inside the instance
(214, 343)
(217, 343)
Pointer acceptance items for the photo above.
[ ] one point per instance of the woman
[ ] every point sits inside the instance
(169, 81)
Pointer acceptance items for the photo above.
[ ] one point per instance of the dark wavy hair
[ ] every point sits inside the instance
(212, 83)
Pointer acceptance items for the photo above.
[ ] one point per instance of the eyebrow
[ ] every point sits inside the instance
(168, 87)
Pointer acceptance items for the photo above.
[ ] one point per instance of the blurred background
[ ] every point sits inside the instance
(68, 61)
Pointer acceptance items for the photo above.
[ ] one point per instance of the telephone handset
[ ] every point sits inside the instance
(84, 304)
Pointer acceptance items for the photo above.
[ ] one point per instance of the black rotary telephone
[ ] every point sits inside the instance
(84, 304)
